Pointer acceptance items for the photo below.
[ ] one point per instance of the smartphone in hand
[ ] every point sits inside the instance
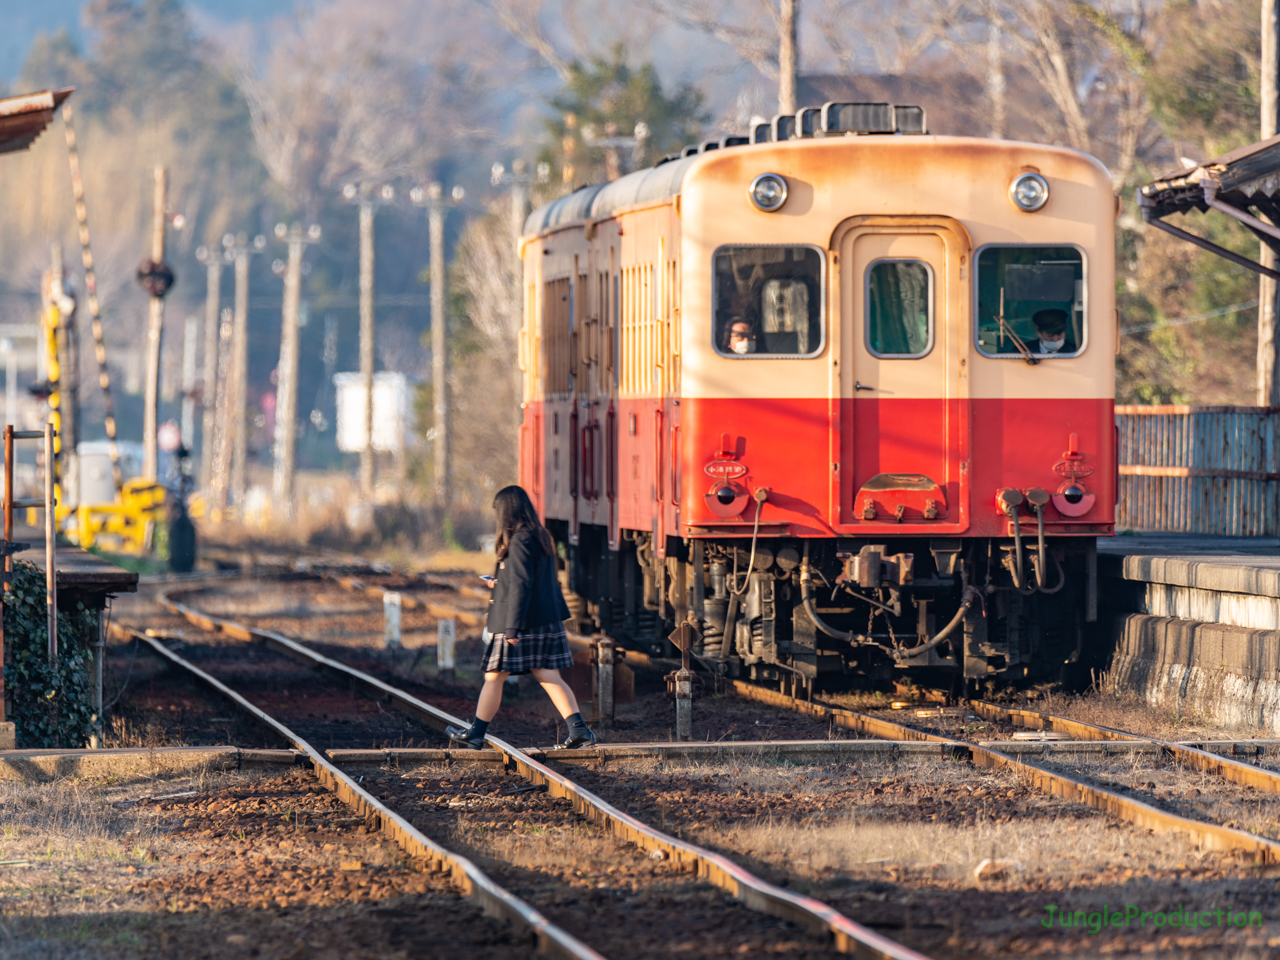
(488, 579)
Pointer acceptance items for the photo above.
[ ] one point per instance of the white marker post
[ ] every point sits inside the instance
(447, 639)
(391, 619)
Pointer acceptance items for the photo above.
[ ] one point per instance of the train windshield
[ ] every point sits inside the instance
(1030, 301)
(768, 301)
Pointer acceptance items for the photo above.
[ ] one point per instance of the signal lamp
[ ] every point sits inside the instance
(1029, 192)
(768, 192)
(1073, 494)
(726, 495)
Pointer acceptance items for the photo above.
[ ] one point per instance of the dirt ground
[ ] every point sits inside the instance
(221, 865)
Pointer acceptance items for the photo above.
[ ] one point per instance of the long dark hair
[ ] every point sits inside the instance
(515, 513)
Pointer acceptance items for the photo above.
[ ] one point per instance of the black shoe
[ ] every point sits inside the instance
(584, 738)
(461, 738)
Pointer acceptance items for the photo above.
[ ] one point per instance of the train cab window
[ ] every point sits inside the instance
(1030, 301)
(899, 308)
(768, 301)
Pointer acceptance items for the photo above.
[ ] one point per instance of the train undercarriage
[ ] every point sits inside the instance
(843, 613)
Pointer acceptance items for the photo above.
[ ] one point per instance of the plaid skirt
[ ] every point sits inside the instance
(542, 648)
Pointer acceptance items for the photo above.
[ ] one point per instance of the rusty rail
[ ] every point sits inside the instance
(1189, 756)
(1210, 835)
(1198, 469)
(847, 935)
(496, 901)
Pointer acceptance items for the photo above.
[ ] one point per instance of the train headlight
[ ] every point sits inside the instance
(1029, 192)
(768, 192)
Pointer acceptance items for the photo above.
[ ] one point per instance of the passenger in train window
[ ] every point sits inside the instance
(742, 338)
(526, 619)
(1053, 340)
(768, 300)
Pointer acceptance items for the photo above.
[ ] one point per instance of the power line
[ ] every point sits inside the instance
(1234, 308)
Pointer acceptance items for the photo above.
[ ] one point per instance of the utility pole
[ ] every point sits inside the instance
(237, 435)
(156, 278)
(287, 384)
(219, 443)
(788, 55)
(69, 387)
(1268, 309)
(363, 196)
(519, 180)
(191, 334)
(433, 200)
(213, 264)
(58, 323)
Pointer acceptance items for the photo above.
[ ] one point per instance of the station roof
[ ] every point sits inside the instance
(23, 118)
(1243, 184)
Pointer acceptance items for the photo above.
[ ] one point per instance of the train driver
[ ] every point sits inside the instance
(1053, 339)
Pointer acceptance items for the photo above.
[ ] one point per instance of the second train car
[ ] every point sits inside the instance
(843, 400)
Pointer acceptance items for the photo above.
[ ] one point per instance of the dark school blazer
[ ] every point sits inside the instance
(527, 593)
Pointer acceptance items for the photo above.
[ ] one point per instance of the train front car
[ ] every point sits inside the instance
(875, 437)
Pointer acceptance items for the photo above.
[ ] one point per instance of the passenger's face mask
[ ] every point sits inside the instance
(1052, 346)
(743, 346)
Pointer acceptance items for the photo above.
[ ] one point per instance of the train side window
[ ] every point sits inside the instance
(768, 301)
(1031, 301)
(899, 302)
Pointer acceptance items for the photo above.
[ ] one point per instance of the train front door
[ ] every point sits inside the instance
(904, 344)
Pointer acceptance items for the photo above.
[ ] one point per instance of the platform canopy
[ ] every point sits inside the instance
(1242, 184)
(25, 117)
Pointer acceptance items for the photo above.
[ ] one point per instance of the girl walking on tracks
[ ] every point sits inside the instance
(526, 620)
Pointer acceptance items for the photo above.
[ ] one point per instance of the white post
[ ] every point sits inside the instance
(446, 639)
(391, 619)
(1268, 343)
(604, 651)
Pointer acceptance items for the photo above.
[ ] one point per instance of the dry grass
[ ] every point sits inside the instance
(1124, 710)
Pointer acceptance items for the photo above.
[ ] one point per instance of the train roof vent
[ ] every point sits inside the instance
(690, 151)
(838, 118)
(807, 122)
(762, 133)
(783, 126)
(734, 141)
(708, 145)
(910, 119)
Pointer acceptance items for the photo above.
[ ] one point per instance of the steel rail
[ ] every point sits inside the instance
(1193, 757)
(848, 936)
(1210, 835)
(495, 901)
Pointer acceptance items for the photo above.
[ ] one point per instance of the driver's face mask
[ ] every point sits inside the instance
(743, 346)
(1052, 346)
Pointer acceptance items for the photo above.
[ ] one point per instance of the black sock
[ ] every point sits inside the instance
(575, 722)
(478, 728)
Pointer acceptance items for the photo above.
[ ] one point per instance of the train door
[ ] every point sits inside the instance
(904, 385)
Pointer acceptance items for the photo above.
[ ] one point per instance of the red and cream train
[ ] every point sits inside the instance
(840, 393)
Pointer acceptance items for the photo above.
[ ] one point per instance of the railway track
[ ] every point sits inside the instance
(1056, 782)
(698, 864)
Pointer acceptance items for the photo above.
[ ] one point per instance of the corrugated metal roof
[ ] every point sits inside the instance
(600, 200)
(24, 118)
(1249, 176)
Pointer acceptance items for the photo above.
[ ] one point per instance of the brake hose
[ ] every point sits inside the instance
(966, 601)
(1016, 572)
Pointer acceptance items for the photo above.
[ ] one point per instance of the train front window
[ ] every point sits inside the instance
(768, 301)
(899, 308)
(1030, 301)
